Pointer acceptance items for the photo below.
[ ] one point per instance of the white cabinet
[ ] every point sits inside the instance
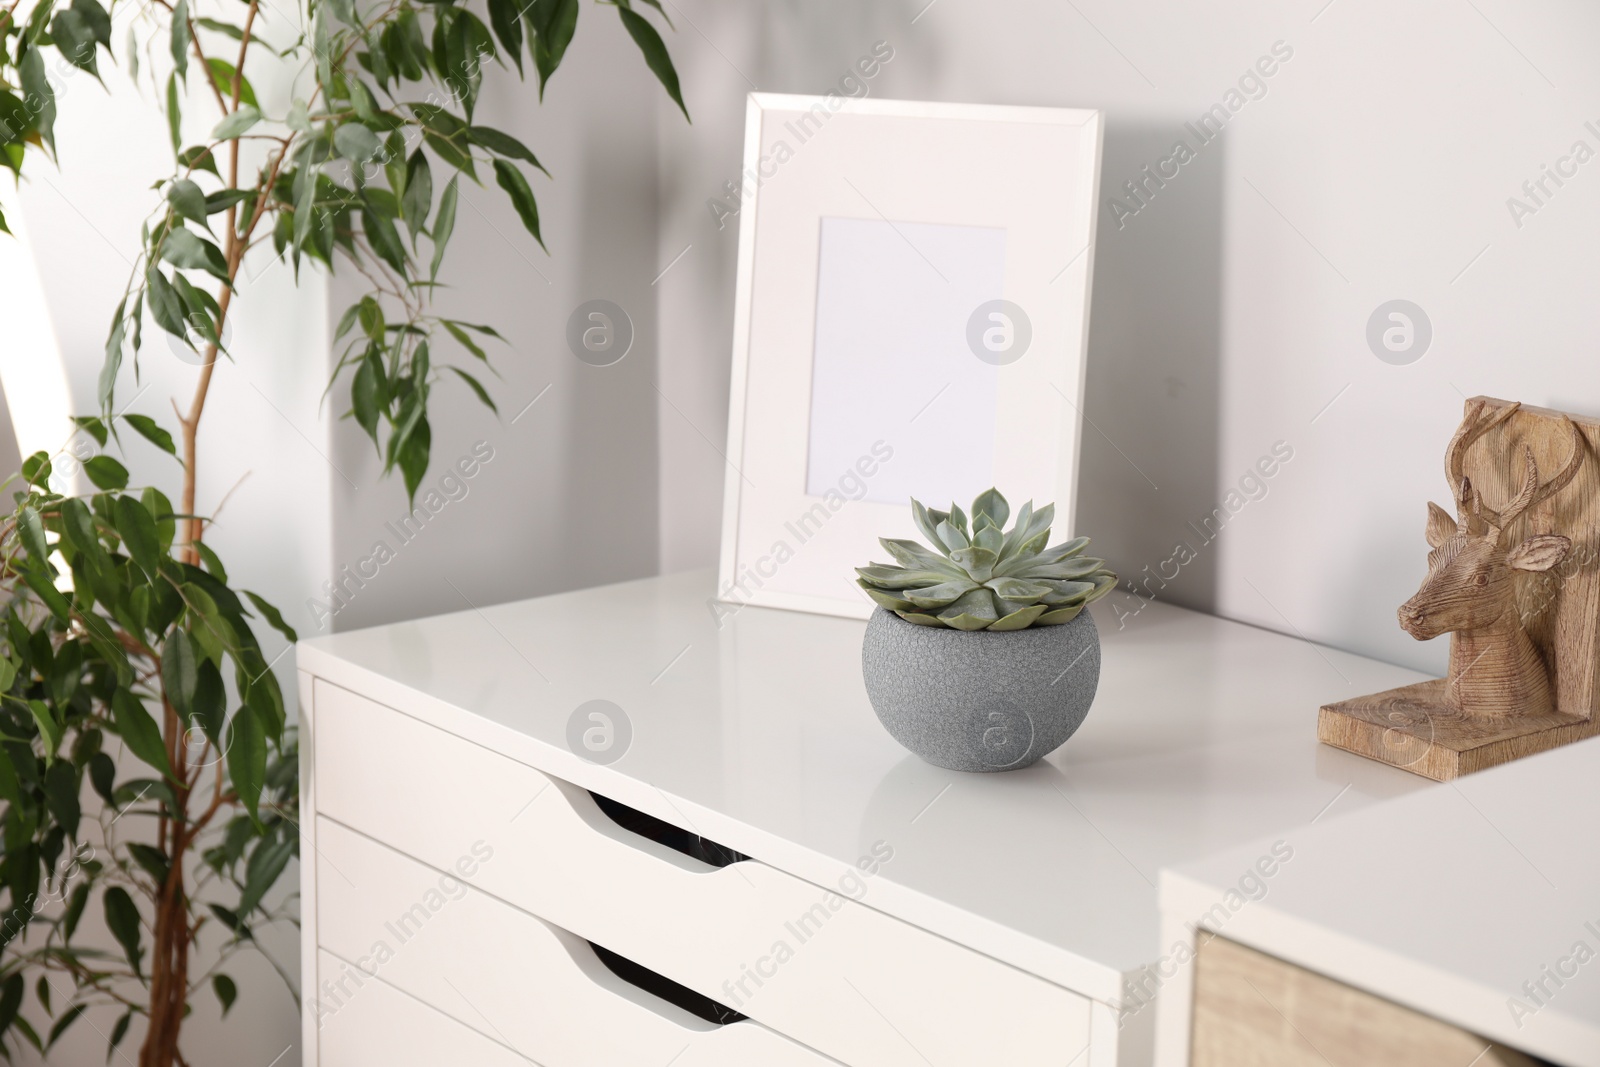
(459, 870)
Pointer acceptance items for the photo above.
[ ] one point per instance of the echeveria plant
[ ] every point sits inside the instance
(981, 576)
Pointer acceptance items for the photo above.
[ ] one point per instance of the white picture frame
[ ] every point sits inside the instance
(867, 229)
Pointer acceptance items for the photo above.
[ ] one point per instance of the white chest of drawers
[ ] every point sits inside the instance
(459, 870)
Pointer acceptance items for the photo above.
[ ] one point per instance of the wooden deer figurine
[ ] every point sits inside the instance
(1519, 682)
(1495, 670)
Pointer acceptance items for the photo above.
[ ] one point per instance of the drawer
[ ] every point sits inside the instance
(376, 1025)
(507, 974)
(822, 968)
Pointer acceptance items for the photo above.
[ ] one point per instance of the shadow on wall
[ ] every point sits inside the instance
(1148, 484)
(610, 480)
(10, 453)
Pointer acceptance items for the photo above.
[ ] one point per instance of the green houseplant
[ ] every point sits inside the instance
(121, 629)
(980, 656)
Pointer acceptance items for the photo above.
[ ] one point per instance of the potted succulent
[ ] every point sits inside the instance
(980, 656)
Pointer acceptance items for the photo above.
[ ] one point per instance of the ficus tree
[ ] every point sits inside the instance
(148, 768)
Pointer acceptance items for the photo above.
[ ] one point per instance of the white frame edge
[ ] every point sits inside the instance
(1071, 440)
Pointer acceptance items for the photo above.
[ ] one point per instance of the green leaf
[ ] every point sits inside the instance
(504, 16)
(417, 200)
(183, 248)
(152, 859)
(74, 913)
(49, 728)
(122, 918)
(106, 473)
(210, 702)
(32, 530)
(164, 304)
(11, 999)
(61, 796)
(516, 187)
(139, 731)
(151, 431)
(223, 72)
(180, 38)
(553, 23)
(655, 53)
(236, 123)
(36, 468)
(465, 339)
(175, 114)
(212, 563)
(160, 509)
(273, 616)
(443, 224)
(75, 40)
(477, 387)
(71, 1016)
(187, 200)
(39, 94)
(413, 456)
(226, 991)
(138, 529)
(118, 1032)
(247, 759)
(102, 775)
(502, 144)
(98, 21)
(199, 157)
(299, 118)
(384, 239)
(356, 142)
(267, 862)
(179, 667)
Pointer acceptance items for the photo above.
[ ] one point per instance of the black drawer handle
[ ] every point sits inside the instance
(701, 1007)
(664, 833)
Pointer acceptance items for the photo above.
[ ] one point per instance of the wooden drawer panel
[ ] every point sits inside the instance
(823, 969)
(375, 1025)
(507, 974)
(1255, 1010)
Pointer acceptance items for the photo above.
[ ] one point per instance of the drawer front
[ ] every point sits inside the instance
(507, 974)
(376, 1025)
(823, 969)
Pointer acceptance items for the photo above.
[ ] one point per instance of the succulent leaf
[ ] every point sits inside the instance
(1058, 616)
(1020, 620)
(1072, 568)
(927, 523)
(1022, 589)
(1063, 593)
(991, 504)
(980, 576)
(978, 562)
(888, 600)
(920, 618)
(911, 554)
(938, 596)
(952, 536)
(886, 577)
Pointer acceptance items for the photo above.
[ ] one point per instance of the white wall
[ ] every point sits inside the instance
(1230, 311)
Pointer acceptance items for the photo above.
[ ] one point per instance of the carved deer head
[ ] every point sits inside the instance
(1494, 668)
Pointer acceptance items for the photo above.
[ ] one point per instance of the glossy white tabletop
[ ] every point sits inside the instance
(1468, 900)
(758, 734)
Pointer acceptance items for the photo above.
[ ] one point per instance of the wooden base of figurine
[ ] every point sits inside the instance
(1415, 729)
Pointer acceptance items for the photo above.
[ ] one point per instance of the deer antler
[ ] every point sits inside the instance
(1473, 426)
(1532, 492)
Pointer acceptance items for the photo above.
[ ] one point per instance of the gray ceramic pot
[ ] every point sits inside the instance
(980, 701)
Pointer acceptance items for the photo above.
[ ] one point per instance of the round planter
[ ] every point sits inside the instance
(980, 701)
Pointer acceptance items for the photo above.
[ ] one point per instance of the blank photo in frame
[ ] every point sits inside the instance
(911, 319)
